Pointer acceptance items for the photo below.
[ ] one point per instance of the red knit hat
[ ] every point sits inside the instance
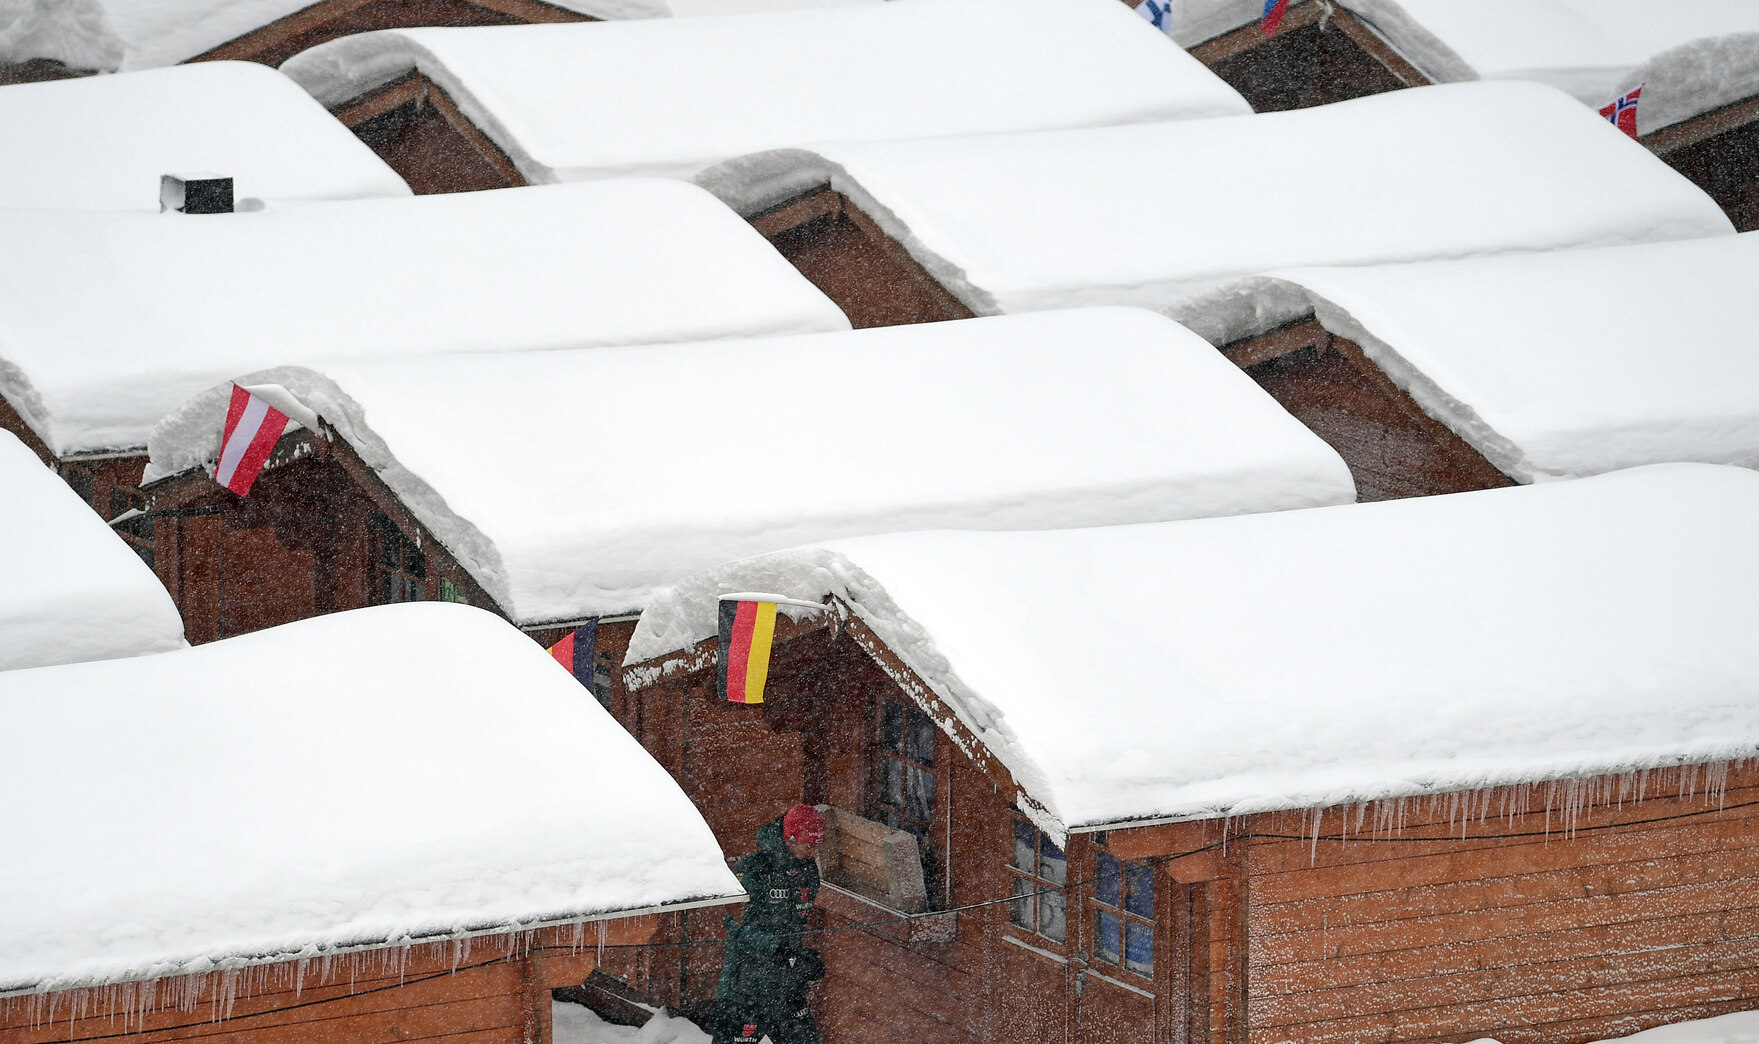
(804, 824)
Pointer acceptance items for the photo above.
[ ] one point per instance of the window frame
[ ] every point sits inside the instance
(1034, 885)
(1129, 874)
(402, 579)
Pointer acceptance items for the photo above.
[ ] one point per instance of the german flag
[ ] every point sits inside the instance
(747, 631)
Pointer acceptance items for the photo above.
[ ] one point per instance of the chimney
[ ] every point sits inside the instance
(195, 193)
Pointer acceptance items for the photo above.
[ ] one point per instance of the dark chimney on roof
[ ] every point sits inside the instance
(195, 193)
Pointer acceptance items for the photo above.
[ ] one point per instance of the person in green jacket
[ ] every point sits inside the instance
(768, 969)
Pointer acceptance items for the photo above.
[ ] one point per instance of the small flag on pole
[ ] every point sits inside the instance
(1158, 13)
(747, 631)
(1622, 112)
(575, 652)
(252, 429)
(1273, 15)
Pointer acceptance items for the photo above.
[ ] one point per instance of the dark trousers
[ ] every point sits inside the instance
(790, 1023)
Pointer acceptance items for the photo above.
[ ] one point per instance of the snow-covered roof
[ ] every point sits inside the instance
(690, 92)
(1309, 658)
(296, 792)
(108, 321)
(578, 483)
(1012, 223)
(1691, 56)
(101, 143)
(70, 589)
(1551, 365)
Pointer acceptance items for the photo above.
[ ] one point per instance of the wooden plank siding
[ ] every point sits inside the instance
(1316, 57)
(1393, 448)
(327, 20)
(414, 126)
(110, 483)
(1719, 152)
(844, 253)
(493, 989)
(1566, 912)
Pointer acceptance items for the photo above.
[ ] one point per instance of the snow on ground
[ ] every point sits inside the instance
(356, 827)
(1691, 56)
(1301, 659)
(70, 589)
(108, 321)
(691, 92)
(575, 1024)
(1742, 1027)
(1551, 365)
(577, 483)
(1012, 223)
(236, 119)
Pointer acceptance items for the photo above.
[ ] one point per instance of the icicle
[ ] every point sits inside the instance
(600, 958)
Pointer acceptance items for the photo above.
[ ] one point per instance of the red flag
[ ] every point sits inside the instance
(1622, 112)
(252, 429)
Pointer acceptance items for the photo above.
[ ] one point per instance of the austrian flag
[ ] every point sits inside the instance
(252, 429)
(1622, 112)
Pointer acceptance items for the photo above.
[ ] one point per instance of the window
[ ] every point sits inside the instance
(400, 570)
(1123, 913)
(1040, 872)
(906, 768)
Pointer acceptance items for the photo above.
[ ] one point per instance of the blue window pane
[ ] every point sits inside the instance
(1139, 895)
(1024, 836)
(921, 737)
(1105, 936)
(1020, 907)
(1053, 865)
(1106, 882)
(1051, 923)
(892, 728)
(1138, 948)
(891, 783)
(919, 792)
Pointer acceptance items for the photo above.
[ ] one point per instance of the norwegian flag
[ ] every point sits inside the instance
(1623, 112)
(252, 429)
(1273, 15)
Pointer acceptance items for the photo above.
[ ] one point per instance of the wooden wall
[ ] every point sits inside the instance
(869, 275)
(1719, 152)
(416, 129)
(1393, 448)
(496, 990)
(329, 19)
(1549, 939)
(1314, 59)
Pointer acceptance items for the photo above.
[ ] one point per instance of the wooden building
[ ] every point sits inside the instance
(909, 231)
(231, 119)
(93, 357)
(301, 835)
(569, 485)
(459, 109)
(1696, 62)
(1454, 375)
(72, 590)
(1257, 779)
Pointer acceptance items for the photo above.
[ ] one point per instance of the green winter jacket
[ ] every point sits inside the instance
(767, 960)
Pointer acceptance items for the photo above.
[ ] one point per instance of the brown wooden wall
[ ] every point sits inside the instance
(1312, 60)
(416, 129)
(1550, 939)
(1719, 152)
(329, 19)
(495, 991)
(869, 275)
(1393, 448)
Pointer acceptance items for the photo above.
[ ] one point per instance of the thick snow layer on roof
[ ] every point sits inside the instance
(1691, 56)
(70, 589)
(1013, 223)
(101, 143)
(108, 321)
(1308, 658)
(578, 483)
(691, 92)
(298, 791)
(1553, 365)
